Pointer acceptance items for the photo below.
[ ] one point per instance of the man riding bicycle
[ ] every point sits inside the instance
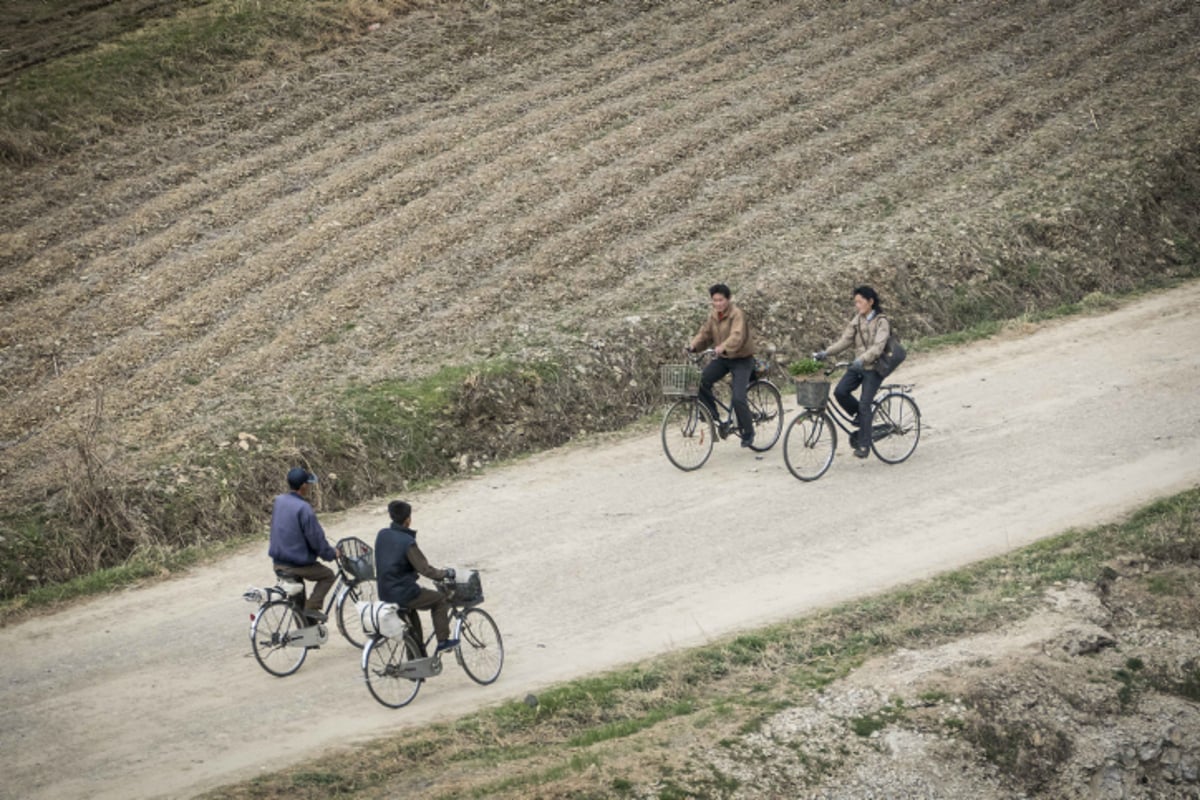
(298, 540)
(728, 331)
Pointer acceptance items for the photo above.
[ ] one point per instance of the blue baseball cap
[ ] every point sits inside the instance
(298, 476)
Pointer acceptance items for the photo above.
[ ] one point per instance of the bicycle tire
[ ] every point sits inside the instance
(270, 633)
(480, 647)
(687, 434)
(382, 660)
(347, 612)
(809, 445)
(896, 427)
(766, 409)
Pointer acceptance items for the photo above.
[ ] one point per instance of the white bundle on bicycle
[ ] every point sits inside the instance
(378, 617)
(258, 596)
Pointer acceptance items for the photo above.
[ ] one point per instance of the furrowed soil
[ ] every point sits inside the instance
(558, 183)
(552, 183)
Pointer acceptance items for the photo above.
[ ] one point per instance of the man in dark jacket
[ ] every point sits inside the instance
(298, 540)
(399, 560)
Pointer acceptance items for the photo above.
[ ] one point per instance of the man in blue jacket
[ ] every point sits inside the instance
(398, 561)
(298, 540)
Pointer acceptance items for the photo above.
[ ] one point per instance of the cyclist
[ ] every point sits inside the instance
(728, 331)
(399, 560)
(298, 540)
(867, 332)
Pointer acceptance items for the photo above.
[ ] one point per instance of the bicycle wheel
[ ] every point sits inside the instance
(382, 662)
(480, 649)
(687, 434)
(766, 409)
(895, 427)
(809, 444)
(347, 612)
(270, 635)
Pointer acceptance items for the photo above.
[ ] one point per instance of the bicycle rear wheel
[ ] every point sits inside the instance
(687, 434)
(809, 444)
(274, 625)
(766, 409)
(895, 427)
(347, 612)
(383, 662)
(480, 649)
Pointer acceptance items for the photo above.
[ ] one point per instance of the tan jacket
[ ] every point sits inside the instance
(869, 338)
(732, 331)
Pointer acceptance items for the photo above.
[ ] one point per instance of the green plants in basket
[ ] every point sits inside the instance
(804, 368)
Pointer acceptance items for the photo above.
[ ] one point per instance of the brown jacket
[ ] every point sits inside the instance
(732, 331)
(869, 338)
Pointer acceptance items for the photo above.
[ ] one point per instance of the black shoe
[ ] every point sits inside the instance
(723, 429)
(315, 616)
(862, 452)
(748, 442)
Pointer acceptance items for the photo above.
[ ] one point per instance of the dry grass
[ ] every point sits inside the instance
(549, 185)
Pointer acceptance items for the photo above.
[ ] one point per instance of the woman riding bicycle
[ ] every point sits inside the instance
(867, 332)
(728, 330)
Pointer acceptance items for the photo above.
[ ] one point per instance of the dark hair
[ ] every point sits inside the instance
(720, 288)
(399, 511)
(869, 294)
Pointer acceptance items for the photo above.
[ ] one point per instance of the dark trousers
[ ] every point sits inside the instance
(741, 368)
(322, 576)
(439, 609)
(860, 409)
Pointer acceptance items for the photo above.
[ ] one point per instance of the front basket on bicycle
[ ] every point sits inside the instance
(356, 558)
(680, 380)
(812, 394)
(467, 589)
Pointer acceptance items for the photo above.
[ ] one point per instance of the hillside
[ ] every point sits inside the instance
(543, 190)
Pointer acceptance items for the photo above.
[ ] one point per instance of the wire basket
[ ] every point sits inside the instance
(356, 558)
(467, 589)
(812, 394)
(680, 380)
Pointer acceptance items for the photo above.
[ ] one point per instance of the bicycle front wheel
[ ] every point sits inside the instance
(809, 444)
(347, 610)
(687, 434)
(383, 662)
(480, 649)
(766, 409)
(271, 637)
(895, 427)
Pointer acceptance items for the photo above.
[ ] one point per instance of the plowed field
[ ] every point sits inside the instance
(539, 179)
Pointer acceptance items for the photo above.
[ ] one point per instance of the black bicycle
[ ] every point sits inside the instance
(688, 429)
(811, 439)
(395, 663)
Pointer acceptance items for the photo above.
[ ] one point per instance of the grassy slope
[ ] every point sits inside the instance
(535, 196)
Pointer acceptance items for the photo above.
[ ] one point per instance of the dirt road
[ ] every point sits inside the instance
(599, 554)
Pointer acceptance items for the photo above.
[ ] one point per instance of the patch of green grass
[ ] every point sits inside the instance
(868, 724)
(628, 727)
(155, 65)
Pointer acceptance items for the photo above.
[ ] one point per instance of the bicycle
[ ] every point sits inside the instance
(395, 666)
(279, 632)
(811, 438)
(688, 429)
